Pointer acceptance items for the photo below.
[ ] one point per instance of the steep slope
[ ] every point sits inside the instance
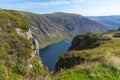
(18, 49)
(49, 28)
(100, 61)
(111, 20)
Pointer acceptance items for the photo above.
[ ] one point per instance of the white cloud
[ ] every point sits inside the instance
(105, 8)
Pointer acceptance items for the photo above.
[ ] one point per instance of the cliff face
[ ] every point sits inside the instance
(50, 28)
(18, 49)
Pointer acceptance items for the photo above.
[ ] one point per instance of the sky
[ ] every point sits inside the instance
(83, 7)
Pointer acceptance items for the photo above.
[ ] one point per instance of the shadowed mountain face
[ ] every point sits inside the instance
(50, 28)
(111, 20)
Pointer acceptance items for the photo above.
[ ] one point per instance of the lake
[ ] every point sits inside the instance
(51, 53)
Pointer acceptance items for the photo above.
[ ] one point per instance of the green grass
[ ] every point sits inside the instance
(103, 71)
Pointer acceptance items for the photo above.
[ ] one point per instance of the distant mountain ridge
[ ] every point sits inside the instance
(111, 20)
(52, 28)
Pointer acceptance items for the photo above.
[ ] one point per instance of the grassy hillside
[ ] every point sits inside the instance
(16, 51)
(103, 71)
(99, 63)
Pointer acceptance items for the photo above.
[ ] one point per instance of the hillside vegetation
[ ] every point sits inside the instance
(100, 61)
(16, 51)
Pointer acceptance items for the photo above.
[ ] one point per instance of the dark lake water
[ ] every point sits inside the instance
(51, 53)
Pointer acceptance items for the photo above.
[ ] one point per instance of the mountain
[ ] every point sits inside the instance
(99, 60)
(51, 28)
(111, 20)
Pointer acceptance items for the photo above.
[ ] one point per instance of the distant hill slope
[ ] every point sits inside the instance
(50, 28)
(111, 20)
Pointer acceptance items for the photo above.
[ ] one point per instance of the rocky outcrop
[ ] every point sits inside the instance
(29, 36)
(84, 41)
